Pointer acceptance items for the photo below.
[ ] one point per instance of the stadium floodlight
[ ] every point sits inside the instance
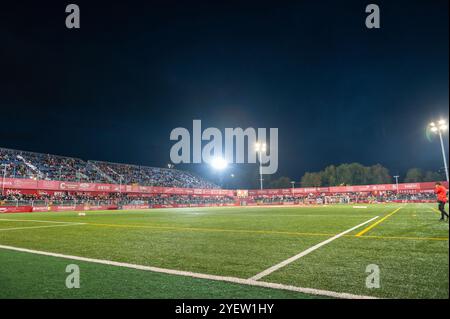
(439, 128)
(259, 148)
(219, 163)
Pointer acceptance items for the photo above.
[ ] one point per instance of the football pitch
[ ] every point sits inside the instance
(342, 251)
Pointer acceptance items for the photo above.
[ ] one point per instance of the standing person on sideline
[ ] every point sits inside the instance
(441, 193)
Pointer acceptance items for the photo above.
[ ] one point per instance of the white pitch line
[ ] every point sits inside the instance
(306, 252)
(235, 280)
(34, 227)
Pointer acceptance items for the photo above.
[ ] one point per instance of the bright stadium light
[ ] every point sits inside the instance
(438, 128)
(219, 163)
(259, 148)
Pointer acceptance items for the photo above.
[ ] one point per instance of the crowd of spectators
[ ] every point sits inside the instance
(153, 176)
(343, 198)
(78, 197)
(189, 199)
(20, 164)
(71, 198)
(12, 165)
(165, 199)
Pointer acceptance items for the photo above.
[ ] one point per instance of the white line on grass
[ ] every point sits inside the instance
(34, 227)
(242, 281)
(306, 252)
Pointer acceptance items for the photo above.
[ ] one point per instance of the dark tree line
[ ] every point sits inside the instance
(351, 174)
(416, 175)
(347, 174)
(358, 174)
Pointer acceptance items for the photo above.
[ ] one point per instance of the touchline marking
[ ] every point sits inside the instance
(306, 252)
(236, 280)
(365, 230)
(34, 227)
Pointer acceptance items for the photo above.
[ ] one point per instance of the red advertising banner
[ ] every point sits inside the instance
(345, 189)
(25, 186)
(14, 209)
(42, 185)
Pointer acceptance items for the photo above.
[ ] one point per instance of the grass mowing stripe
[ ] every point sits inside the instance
(306, 252)
(365, 230)
(248, 282)
(436, 210)
(402, 238)
(33, 227)
(211, 229)
(35, 221)
(266, 232)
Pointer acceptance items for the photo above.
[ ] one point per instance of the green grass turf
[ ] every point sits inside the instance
(34, 276)
(238, 242)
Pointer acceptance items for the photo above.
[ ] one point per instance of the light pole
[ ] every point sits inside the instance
(4, 177)
(293, 186)
(396, 181)
(438, 128)
(259, 148)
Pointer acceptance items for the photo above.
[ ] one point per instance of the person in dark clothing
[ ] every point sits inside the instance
(441, 193)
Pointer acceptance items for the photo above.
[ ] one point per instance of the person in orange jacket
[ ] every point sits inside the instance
(441, 193)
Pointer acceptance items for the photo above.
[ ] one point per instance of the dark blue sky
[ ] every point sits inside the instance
(338, 92)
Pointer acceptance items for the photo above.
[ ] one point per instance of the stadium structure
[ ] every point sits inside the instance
(44, 182)
(146, 232)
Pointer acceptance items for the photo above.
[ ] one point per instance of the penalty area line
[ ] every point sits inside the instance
(248, 282)
(306, 252)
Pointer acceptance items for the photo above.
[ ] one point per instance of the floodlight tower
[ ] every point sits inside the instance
(259, 148)
(438, 128)
(219, 164)
(396, 181)
(4, 177)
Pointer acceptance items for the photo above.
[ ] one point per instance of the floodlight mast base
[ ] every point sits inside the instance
(443, 155)
(260, 172)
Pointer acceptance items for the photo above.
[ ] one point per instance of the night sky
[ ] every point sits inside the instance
(338, 92)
